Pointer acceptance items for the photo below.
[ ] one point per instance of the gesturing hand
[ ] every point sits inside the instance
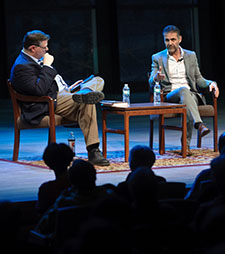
(159, 76)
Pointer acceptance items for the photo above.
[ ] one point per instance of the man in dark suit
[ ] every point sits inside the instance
(33, 74)
(178, 72)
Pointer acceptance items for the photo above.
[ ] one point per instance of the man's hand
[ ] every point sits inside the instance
(213, 87)
(75, 86)
(48, 59)
(159, 76)
(77, 82)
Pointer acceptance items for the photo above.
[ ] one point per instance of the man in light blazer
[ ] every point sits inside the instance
(178, 72)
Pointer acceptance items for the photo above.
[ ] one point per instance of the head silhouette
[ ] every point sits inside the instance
(218, 172)
(82, 175)
(58, 157)
(221, 144)
(141, 156)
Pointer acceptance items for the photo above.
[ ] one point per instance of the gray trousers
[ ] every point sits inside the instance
(184, 96)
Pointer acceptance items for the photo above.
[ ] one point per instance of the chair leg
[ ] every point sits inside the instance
(151, 133)
(51, 135)
(215, 133)
(199, 140)
(161, 135)
(16, 144)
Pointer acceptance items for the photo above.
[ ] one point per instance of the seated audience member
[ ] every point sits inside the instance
(140, 156)
(113, 239)
(200, 193)
(209, 221)
(57, 157)
(83, 191)
(152, 219)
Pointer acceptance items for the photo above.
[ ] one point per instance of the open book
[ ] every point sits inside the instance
(113, 103)
(78, 86)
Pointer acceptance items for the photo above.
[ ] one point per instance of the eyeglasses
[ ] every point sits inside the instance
(41, 46)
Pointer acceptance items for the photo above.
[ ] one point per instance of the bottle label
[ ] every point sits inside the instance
(126, 92)
(71, 144)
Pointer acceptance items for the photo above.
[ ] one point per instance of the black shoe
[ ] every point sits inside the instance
(92, 97)
(95, 157)
(203, 130)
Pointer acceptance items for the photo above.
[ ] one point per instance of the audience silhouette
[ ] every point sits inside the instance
(57, 157)
(139, 156)
(204, 189)
(209, 220)
(82, 192)
(152, 219)
(130, 217)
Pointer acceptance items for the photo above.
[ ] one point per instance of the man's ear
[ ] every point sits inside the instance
(180, 39)
(31, 48)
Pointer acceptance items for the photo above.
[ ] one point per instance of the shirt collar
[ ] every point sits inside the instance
(181, 54)
(34, 58)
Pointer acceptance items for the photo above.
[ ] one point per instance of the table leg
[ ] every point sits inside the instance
(184, 134)
(161, 135)
(104, 147)
(126, 136)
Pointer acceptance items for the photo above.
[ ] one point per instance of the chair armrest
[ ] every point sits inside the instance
(48, 99)
(214, 99)
(16, 97)
(28, 98)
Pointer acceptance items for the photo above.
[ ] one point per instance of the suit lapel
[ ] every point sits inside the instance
(165, 64)
(187, 69)
(186, 63)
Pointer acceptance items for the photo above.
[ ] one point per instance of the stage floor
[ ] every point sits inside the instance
(20, 183)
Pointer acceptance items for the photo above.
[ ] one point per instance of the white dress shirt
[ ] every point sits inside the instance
(177, 72)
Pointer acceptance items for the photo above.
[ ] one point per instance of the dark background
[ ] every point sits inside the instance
(113, 38)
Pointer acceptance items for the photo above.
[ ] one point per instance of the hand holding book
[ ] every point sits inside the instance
(77, 85)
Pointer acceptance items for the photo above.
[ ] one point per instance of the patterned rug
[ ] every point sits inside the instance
(168, 160)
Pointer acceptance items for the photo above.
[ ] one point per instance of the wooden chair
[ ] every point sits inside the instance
(209, 110)
(50, 121)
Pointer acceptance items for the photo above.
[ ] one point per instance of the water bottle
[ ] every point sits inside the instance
(71, 142)
(126, 94)
(157, 92)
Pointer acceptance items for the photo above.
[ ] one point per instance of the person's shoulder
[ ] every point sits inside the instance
(24, 63)
(189, 52)
(46, 185)
(23, 59)
(160, 54)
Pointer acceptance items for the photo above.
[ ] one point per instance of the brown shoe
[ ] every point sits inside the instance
(188, 152)
(203, 130)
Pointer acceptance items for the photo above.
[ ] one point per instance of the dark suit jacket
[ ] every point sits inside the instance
(29, 78)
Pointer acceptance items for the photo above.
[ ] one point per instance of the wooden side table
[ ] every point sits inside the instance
(141, 109)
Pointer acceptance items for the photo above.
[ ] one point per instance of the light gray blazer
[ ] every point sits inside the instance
(194, 76)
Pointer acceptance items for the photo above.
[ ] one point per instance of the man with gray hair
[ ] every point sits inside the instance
(178, 72)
